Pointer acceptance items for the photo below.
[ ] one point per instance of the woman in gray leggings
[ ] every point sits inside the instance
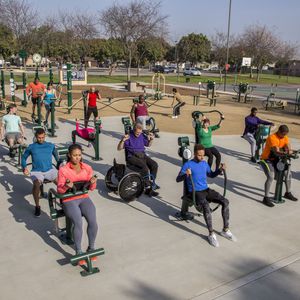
(77, 206)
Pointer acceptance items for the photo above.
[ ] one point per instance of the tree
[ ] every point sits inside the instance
(132, 22)
(6, 42)
(194, 48)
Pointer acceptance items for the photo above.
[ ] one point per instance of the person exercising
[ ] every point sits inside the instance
(92, 97)
(180, 103)
(12, 129)
(276, 144)
(81, 205)
(251, 126)
(204, 134)
(134, 144)
(198, 169)
(139, 112)
(41, 153)
(35, 89)
(49, 98)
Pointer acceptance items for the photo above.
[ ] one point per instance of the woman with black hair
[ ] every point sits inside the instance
(80, 205)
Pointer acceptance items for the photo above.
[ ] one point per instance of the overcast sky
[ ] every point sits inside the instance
(204, 16)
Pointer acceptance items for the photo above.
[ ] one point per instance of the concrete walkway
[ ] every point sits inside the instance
(149, 253)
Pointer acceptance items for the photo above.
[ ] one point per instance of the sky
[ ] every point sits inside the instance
(204, 16)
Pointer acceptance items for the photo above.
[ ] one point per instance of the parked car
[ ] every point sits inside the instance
(191, 72)
(161, 69)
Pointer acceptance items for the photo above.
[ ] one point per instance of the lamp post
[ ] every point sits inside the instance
(176, 58)
(227, 47)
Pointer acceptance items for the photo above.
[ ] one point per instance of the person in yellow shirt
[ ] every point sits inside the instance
(276, 144)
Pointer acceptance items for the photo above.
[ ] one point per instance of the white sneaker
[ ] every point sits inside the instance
(212, 239)
(228, 235)
(174, 117)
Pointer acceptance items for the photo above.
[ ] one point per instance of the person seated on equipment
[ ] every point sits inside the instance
(33, 89)
(199, 169)
(92, 97)
(204, 134)
(134, 144)
(41, 153)
(276, 144)
(49, 98)
(87, 133)
(139, 112)
(12, 129)
(79, 205)
(180, 103)
(251, 126)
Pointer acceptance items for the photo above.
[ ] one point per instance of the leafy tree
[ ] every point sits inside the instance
(7, 42)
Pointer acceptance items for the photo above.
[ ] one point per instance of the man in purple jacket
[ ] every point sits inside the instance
(251, 126)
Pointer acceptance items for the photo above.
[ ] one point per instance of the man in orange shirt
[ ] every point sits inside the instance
(276, 144)
(35, 88)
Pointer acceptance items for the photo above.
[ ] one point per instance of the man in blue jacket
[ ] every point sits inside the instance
(41, 153)
(198, 169)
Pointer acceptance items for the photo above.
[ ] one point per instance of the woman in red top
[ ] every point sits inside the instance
(92, 97)
(81, 205)
(139, 112)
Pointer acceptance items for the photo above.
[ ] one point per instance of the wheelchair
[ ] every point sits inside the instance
(127, 182)
(66, 233)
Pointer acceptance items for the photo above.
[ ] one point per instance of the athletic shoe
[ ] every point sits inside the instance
(37, 212)
(228, 235)
(174, 117)
(155, 187)
(253, 159)
(151, 193)
(212, 239)
(290, 197)
(268, 202)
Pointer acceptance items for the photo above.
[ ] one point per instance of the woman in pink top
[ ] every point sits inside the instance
(77, 206)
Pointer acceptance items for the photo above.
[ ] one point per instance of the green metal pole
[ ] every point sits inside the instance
(97, 140)
(297, 102)
(50, 73)
(52, 105)
(69, 87)
(2, 84)
(278, 189)
(24, 102)
(12, 86)
(37, 72)
(39, 111)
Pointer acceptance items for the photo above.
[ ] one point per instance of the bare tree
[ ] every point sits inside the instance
(19, 16)
(133, 22)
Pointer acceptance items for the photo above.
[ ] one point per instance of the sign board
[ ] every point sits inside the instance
(246, 62)
(78, 77)
(23, 53)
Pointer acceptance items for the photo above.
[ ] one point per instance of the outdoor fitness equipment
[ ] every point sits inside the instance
(2, 83)
(66, 234)
(210, 87)
(158, 85)
(261, 135)
(272, 102)
(196, 123)
(188, 199)
(90, 135)
(297, 101)
(243, 90)
(125, 181)
(17, 149)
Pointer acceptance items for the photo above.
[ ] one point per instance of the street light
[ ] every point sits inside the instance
(227, 48)
(176, 59)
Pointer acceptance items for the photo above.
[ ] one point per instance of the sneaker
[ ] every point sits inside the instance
(212, 239)
(155, 187)
(151, 193)
(253, 159)
(290, 197)
(228, 235)
(37, 212)
(174, 117)
(268, 202)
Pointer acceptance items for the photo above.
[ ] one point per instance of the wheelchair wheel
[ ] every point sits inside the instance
(111, 181)
(131, 186)
(150, 124)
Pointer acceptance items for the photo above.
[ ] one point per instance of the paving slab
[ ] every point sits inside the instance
(149, 253)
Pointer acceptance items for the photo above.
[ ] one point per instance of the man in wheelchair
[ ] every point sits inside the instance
(195, 173)
(12, 129)
(134, 144)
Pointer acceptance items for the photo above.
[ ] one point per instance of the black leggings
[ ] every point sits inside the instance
(143, 165)
(90, 111)
(176, 108)
(202, 201)
(210, 153)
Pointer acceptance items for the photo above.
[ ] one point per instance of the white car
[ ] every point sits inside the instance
(192, 72)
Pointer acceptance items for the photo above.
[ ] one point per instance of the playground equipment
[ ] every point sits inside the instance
(283, 164)
(196, 123)
(261, 135)
(2, 83)
(158, 85)
(189, 200)
(66, 233)
(90, 135)
(125, 181)
(17, 149)
(272, 102)
(243, 91)
(297, 101)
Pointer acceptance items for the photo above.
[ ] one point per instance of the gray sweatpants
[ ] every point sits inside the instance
(270, 172)
(252, 141)
(74, 210)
